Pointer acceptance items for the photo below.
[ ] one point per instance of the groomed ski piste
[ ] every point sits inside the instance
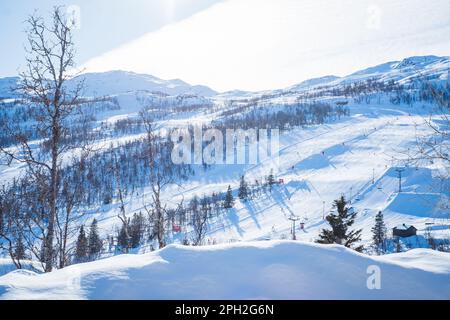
(356, 156)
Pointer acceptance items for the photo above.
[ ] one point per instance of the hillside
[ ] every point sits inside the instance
(338, 136)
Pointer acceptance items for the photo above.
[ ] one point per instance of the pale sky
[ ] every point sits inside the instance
(259, 44)
(105, 24)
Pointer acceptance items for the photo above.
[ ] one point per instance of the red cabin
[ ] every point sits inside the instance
(176, 228)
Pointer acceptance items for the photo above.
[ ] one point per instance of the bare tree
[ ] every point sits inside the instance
(71, 196)
(53, 105)
(122, 214)
(159, 175)
(433, 146)
(199, 221)
(10, 227)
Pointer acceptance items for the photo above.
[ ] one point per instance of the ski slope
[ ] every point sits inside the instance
(355, 156)
(318, 164)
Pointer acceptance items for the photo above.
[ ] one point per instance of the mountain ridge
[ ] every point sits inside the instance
(115, 82)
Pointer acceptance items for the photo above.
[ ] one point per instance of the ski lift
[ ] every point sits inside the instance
(281, 181)
(176, 228)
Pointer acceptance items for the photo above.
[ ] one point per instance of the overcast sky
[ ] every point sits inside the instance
(240, 44)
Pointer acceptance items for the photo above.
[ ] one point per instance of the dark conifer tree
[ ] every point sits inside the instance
(243, 189)
(271, 179)
(229, 200)
(340, 222)
(95, 243)
(379, 233)
(137, 227)
(81, 250)
(123, 241)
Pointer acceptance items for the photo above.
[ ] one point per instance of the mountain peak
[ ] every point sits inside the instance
(117, 81)
(417, 61)
(314, 82)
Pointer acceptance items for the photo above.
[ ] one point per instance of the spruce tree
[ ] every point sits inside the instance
(340, 223)
(243, 189)
(229, 200)
(81, 250)
(136, 230)
(379, 233)
(123, 242)
(95, 244)
(271, 179)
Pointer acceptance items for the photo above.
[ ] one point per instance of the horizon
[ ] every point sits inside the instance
(197, 43)
(238, 89)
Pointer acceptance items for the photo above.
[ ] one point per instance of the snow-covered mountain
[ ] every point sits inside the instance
(429, 67)
(119, 82)
(6, 86)
(417, 67)
(115, 83)
(406, 69)
(313, 82)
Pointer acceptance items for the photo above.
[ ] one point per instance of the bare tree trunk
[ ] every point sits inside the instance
(51, 56)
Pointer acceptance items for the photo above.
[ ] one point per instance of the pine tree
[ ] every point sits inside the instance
(243, 189)
(136, 230)
(229, 200)
(81, 251)
(123, 242)
(379, 233)
(95, 244)
(340, 223)
(271, 179)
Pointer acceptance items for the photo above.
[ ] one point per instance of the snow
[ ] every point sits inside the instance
(251, 270)
(403, 226)
(6, 266)
(352, 149)
(6, 84)
(314, 82)
(318, 163)
(117, 82)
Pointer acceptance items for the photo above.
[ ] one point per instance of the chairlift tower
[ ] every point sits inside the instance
(399, 171)
(293, 220)
(323, 210)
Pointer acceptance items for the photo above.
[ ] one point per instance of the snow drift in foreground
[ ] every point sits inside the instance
(251, 270)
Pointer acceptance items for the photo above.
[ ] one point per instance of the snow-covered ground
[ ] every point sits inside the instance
(356, 156)
(251, 270)
(318, 164)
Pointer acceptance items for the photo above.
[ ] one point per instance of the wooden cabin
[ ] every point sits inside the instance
(404, 231)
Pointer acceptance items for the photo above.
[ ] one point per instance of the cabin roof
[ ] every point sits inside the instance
(404, 227)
